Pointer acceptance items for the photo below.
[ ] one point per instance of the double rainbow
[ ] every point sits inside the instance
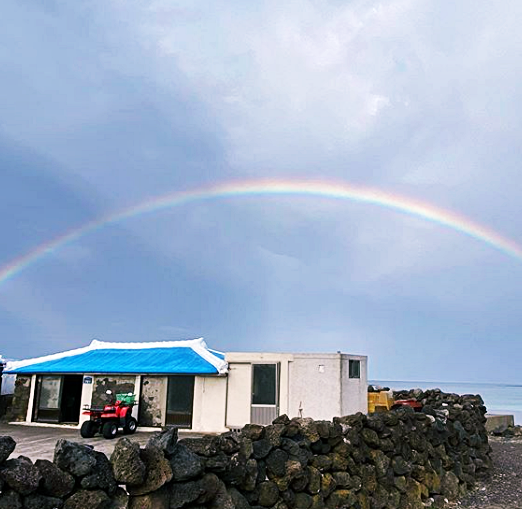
(336, 191)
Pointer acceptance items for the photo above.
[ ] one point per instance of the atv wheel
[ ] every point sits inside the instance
(110, 429)
(130, 426)
(88, 429)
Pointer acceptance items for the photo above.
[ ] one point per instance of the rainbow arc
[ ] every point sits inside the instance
(228, 190)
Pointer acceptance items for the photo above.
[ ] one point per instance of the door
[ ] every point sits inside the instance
(239, 394)
(48, 397)
(180, 401)
(265, 393)
(58, 398)
(71, 399)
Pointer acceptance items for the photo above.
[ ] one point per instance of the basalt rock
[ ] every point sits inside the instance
(159, 472)
(7, 446)
(127, 465)
(85, 499)
(74, 458)
(55, 482)
(21, 475)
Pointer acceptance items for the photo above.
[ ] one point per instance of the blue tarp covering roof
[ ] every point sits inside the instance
(193, 359)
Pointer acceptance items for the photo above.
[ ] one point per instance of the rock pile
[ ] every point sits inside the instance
(392, 460)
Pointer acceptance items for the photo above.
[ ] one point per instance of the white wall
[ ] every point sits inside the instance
(315, 386)
(239, 394)
(86, 397)
(354, 390)
(210, 396)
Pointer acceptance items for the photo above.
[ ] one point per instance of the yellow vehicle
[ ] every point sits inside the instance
(380, 401)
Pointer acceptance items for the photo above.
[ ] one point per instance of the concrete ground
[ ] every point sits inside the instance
(37, 442)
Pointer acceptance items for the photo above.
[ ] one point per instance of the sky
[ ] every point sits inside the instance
(106, 105)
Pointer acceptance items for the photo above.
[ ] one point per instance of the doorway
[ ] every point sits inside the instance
(265, 393)
(58, 398)
(180, 401)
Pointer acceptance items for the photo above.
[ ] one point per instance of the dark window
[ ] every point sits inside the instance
(264, 384)
(354, 369)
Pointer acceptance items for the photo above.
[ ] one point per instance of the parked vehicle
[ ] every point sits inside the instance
(382, 400)
(108, 418)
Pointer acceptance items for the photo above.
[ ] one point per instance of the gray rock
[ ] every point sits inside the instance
(21, 475)
(55, 482)
(101, 476)
(7, 446)
(85, 499)
(126, 462)
(303, 501)
(156, 500)
(36, 501)
(166, 440)
(450, 486)
(185, 464)
(262, 448)
(252, 431)
(159, 472)
(400, 466)
(74, 458)
(268, 493)
(240, 502)
(184, 493)
(371, 437)
(230, 442)
(275, 462)
(120, 499)
(10, 500)
(207, 445)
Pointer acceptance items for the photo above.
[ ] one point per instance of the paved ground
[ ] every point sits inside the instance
(37, 442)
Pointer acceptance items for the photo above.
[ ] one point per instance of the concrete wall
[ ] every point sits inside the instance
(315, 386)
(210, 400)
(153, 401)
(354, 390)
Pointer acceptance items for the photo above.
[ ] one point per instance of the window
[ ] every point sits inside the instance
(264, 384)
(354, 369)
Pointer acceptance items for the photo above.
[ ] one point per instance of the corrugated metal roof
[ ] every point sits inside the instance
(184, 357)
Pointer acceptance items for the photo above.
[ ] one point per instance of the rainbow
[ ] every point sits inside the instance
(331, 190)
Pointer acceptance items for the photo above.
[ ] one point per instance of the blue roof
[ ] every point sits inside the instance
(178, 360)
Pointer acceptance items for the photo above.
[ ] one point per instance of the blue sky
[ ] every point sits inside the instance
(105, 104)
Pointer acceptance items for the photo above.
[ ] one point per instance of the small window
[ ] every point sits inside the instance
(354, 369)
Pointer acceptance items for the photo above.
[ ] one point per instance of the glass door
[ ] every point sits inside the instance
(265, 393)
(180, 401)
(48, 397)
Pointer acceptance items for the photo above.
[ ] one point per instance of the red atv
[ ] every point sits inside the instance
(108, 418)
(413, 403)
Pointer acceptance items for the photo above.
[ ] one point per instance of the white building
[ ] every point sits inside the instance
(186, 384)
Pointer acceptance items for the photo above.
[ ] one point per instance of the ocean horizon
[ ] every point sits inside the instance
(499, 398)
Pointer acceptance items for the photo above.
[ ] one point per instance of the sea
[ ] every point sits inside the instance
(498, 398)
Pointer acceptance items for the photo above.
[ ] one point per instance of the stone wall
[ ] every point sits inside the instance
(117, 384)
(393, 460)
(17, 411)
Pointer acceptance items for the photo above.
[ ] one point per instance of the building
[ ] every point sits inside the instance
(187, 384)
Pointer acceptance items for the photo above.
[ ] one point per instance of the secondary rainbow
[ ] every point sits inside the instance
(332, 190)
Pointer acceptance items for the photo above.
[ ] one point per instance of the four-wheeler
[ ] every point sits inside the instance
(108, 418)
